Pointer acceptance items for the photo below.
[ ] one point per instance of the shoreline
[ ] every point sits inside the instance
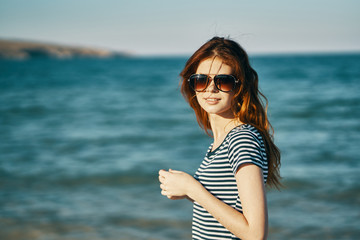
(22, 50)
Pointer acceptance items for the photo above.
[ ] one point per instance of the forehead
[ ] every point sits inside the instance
(213, 66)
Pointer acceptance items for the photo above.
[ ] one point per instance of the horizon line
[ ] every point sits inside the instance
(187, 54)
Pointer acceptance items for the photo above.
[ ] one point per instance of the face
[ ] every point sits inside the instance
(211, 99)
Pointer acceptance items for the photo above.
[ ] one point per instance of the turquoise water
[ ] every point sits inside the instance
(83, 140)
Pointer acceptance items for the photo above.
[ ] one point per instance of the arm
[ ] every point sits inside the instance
(252, 224)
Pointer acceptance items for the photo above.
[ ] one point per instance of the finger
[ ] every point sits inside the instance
(164, 193)
(163, 173)
(174, 171)
(161, 179)
(162, 186)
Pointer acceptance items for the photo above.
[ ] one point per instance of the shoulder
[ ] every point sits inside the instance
(245, 146)
(245, 133)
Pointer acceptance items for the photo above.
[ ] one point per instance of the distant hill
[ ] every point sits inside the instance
(14, 49)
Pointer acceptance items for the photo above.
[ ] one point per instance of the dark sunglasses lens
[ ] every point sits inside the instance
(198, 82)
(225, 83)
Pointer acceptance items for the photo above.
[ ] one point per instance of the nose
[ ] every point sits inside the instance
(211, 87)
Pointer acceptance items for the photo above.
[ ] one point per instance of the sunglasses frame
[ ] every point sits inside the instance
(215, 82)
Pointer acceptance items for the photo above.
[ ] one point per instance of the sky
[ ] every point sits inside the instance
(168, 27)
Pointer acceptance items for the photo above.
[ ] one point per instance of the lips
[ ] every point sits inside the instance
(212, 100)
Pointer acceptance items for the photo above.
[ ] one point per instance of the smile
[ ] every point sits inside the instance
(212, 100)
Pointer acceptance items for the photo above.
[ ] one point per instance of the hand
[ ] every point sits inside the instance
(175, 184)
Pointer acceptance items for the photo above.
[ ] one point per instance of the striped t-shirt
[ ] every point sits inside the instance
(242, 145)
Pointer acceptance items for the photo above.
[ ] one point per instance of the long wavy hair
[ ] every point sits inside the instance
(248, 102)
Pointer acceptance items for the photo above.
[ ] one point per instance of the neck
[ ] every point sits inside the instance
(221, 125)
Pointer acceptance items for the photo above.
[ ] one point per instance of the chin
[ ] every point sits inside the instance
(217, 111)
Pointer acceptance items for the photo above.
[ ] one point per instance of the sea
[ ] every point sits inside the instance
(82, 141)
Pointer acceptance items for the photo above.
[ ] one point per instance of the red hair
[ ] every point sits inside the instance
(247, 103)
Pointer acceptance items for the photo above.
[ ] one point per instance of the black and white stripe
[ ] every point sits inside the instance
(216, 173)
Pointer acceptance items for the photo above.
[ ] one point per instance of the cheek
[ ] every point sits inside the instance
(227, 97)
(227, 104)
(200, 99)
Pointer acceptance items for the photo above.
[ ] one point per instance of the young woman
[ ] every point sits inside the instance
(228, 189)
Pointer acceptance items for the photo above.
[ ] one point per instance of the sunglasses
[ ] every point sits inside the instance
(223, 82)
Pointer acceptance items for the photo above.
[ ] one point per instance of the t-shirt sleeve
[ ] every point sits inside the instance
(244, 148)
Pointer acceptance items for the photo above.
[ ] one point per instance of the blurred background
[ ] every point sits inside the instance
(90, 110)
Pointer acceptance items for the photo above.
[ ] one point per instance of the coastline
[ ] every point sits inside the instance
(22, 50)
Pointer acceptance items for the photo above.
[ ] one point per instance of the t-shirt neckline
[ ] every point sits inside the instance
(210, 153)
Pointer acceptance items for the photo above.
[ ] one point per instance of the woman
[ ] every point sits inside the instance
(228, 189)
